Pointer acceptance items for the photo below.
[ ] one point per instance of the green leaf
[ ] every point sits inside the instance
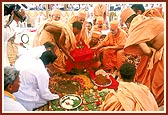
(54, 107)
(53, 102)
(76, 103)
(90, 106)
(80, 108)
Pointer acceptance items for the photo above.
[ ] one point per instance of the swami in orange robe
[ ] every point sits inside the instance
(82, 54)
(113, 54)
(99, 26)
(148, 31)
(43, 36)
(100, 10)
(130, 96)
(95, 38)
(81, 17)
(154, 12)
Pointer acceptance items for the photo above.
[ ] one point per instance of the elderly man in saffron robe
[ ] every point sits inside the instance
(146, 38)
(112, 47)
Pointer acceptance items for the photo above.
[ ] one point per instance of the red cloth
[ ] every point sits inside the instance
(82, 56)
(114, 84)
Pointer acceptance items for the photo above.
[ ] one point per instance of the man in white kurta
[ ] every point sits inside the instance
(33, 91)
(11, 104)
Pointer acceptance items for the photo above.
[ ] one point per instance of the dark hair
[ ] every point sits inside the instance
(90, 23)
(129, 20)
(48, 57)
(49, 45)
(15, 8)
(127, 71)
(77, 25)
(137, 7)
(8, 8)
(10, 75)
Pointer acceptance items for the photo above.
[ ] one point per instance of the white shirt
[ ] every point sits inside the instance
(35, 52)
(34, 80)
(12, 105)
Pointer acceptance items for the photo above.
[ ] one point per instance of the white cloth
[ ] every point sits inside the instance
(34, 78)
(12, 105)
(35, 52)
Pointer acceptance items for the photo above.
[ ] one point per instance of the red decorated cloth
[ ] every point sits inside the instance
(82, 53)
(114, 84)
(82, 56)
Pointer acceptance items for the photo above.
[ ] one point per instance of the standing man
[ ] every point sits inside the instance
(147, 42)
(60, 33)
(17, 14)
(56, 14)
(100, 10)
(138, 8)
(152, 12)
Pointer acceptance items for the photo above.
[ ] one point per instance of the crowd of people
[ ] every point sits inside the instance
(82, 45)
(71, 6)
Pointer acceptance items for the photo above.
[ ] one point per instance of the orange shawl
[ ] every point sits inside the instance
(43, 36)
(130, 97)
(100, 10)
(143, 29)
(114, 58)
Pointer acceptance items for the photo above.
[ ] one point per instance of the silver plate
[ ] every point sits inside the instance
(68, 101)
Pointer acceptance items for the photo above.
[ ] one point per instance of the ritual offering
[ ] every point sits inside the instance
(82, 53)
(68, 87)
(70, 101)
(102, 81)
(69, 84)
(89, 101)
